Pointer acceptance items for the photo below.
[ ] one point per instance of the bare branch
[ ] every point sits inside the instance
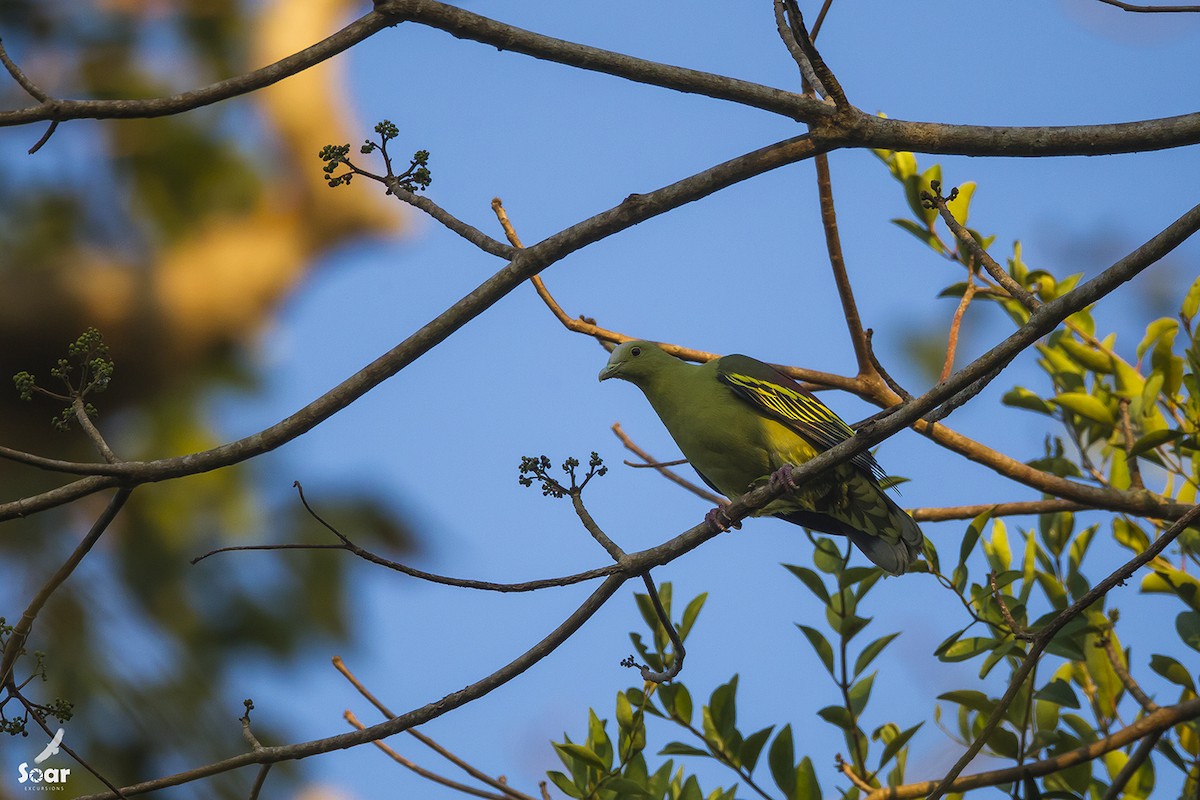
(472, 234)
(341, 667)
(20, 77)
(998, 510)
(1151, 9)
(424, 773)
(956, 324)
(20, 631)
(669, 474)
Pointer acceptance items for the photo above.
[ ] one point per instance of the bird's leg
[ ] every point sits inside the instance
(783, 477)
(719, 520)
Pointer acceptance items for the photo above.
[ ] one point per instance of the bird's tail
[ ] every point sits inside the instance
(894, 549)
(873, 522)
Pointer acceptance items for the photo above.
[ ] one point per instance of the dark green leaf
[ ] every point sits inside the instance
(811, 580)
(690, 613)
(1188, 626)
(752, 748)
(807, 787)
(681, 749)
(837, 715)
(564, 784)
(582, 754)
(861, 692)
(1154, 439)
(871, 651)
(781, 760)
(967, 648)
(898, 741)
(827, 557)
(1173, 671)
(1058, 692)
(820, 644)
(970, 698)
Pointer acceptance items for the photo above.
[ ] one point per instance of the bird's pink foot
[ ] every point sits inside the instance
(783, 477)
(719, 520)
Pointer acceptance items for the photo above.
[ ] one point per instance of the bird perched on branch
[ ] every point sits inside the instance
(741, 423)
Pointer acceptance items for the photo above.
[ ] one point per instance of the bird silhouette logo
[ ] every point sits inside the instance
(51, 749)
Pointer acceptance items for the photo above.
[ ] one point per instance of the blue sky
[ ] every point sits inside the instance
(742, 271)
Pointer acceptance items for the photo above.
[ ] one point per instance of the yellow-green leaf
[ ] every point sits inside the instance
(1085, 405)
(960, 205)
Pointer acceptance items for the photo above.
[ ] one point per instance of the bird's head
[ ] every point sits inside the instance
(635, 361)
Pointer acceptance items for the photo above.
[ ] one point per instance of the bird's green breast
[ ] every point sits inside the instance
(724, 438)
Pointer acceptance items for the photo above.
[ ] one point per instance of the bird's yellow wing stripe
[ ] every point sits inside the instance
(804, 413)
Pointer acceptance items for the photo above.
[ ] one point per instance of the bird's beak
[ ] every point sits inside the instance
(609, 371)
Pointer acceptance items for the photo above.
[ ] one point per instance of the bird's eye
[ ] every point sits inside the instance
(635, 352)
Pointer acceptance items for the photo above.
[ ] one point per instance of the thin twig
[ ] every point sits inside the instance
(825, 76)
(669, 474)
(259, 780)
(671, 672)
(849, 771)
(837, 262)
(1151, 9)
(955, 325)
(20, 632)
(424, 773)
(1016, 630)
(20, 77)
(40, 719)
(341, 667)
(367, 555)
(1020, 507)
(472, 234)
(1132, 686)
(808, 77)
(1133, 764)
(93, 433)
(1131, 461)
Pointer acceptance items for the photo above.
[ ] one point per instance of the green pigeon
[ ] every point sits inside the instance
(741, 423)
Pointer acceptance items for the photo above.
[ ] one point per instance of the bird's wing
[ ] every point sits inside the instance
(779, 397)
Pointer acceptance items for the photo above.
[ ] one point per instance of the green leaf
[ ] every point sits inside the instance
(897, 742)
(820, 644)
(861, 692)
(722, 708)
(923, 233)
(1130, 535)
(1086, 356)
(1173, 671)
(1168, 579)
(1188, 626)
(964, 649)
(871, 651)
(1154, 439)
(972, 536)
(626, 788)
(690, 613)
(970, 698)
(1058, 692)
(580, 753)
(807, 787)
(1020, 397)
(681, 749)
(1085, 405)
(564, 784)
(810, 579)
(1163, 329)
(837, 715)
(1191, 301)
(996, 548)
(752, 748)
(781, 760)
(827, 557)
